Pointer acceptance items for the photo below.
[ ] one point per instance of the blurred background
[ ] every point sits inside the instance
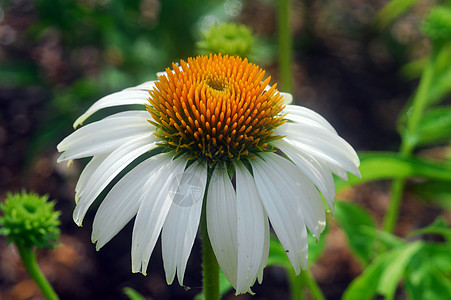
(58, 57)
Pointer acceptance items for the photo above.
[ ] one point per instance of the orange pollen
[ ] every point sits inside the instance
(215, 107)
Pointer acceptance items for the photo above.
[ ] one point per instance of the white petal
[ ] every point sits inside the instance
(251, 229)
(315, 170)
(304, 115)
(182, 222)
(308, 198)
(122, 202)
(86, 174)
(133, 95)
(265, 254)
(222, 222)
(322, 144)
(159, 193)
(105, 135)
(146, 86)
(280, 200)
(287, 98)
(107, 171)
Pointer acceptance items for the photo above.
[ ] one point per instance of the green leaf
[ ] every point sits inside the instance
(390, 240)
(438, 227)
(440, 88)
(353, 219)
(395, 269)
(364, 287)
(383, 275)
(132, 294)
(392, 10)
(428, 275)
(388, 165)
(435, 126)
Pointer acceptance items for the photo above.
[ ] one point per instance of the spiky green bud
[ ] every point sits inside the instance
(227, 38)
(437, 25)
(29, 220)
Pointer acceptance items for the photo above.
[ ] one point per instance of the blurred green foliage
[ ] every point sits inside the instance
(103, 46)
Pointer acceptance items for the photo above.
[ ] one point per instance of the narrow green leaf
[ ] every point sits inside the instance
(390, 240)
(364, 286)
(395, 270)
(388, 165)
(353, 219)
(392, 10)
(436, 192)
(132, 294)
(383, 275)
(428, 276)
(438, 227)
(435, 126)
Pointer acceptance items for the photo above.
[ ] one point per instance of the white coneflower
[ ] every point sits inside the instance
(212, 118)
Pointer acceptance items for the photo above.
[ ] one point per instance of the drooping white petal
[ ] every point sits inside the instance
(321, 144)
(180, 228)
(112, 165)
(251, 229)
(308, 199)
(87, 172)
(304, 115)
(280, 200)
(105, 135)
(265, 254)
(134, 95)
(222, 222)
(122, 202)
(315, 170)
(159, 194)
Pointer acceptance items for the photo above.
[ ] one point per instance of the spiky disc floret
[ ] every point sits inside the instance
(216, 108)
(29, 220)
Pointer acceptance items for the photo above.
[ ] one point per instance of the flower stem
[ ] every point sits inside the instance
(409, 141)
(285, 46)
(301, 281)
(28, 257)
(296, 285)
(210, 267)
(312, 285)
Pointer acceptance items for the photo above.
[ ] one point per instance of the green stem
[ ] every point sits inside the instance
(302, 281)
(210, 267)
(409, 141)
(285, 46)
(28, 257)
(312, 285)
(296, 285)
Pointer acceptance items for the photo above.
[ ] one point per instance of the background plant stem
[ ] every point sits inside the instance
(409, 141)
(29, 260)
(285, 41)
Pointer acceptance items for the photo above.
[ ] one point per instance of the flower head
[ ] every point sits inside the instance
(211, 117)
(29, 220)
(232, 38)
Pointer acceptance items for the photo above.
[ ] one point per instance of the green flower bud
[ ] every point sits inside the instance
(437, 25)
(29, 220)
(227, 38)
